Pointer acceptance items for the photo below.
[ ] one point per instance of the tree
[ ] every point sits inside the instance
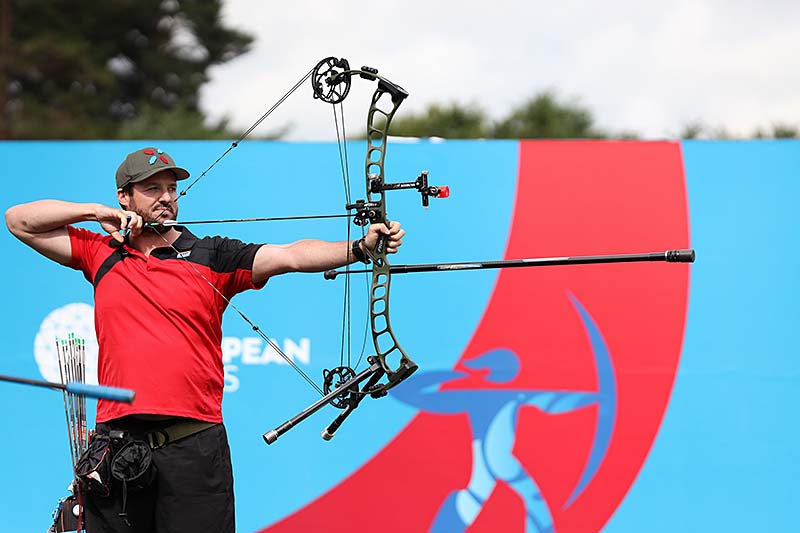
(85, 70)
(699, 130)
(545, 117)
(452, 121)
(541, 117)
(779, 131)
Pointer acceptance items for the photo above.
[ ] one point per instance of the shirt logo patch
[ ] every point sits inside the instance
(183, 255)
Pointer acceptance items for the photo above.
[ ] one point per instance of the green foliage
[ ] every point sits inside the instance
(541, 117)
(451, 122)
(545, 117)
(87, 70)
(692, 130)
(179, 123)
(699, 130)
(779, 131)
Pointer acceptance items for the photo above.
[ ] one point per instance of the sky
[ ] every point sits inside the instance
(642, 66)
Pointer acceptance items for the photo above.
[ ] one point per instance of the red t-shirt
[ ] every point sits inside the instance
(159, 323)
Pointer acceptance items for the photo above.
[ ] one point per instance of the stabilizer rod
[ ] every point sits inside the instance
(352, 386)
(670, 256)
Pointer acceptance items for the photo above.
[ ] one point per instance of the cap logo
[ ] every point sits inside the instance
(152, 155)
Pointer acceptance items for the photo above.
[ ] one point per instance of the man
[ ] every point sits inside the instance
(160, 293)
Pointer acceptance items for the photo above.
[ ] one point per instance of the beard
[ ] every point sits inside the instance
(154, 218)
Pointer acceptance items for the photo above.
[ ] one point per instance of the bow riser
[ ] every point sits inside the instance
(391, 356)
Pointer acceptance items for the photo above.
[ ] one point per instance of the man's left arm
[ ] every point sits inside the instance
(318, 256)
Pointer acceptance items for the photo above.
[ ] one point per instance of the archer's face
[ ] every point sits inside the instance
(154, 199)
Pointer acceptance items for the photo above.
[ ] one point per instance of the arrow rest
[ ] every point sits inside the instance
(365, 212)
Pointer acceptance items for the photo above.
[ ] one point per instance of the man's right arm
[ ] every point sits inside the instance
(42, 225)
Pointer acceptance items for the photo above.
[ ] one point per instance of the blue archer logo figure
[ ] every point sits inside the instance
(493, 417)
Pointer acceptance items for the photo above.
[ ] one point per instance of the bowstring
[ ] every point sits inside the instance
(341, 144)
(363, 349)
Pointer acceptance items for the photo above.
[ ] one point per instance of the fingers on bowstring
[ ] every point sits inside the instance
(125, 224)
(135, 224)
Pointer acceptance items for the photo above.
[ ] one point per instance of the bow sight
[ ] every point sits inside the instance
(376, 184)
(364, 215)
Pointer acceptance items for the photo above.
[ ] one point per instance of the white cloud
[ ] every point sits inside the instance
(649, 67)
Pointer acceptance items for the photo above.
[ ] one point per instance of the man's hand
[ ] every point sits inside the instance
(394, 237)
(118, 221)
(42, 224)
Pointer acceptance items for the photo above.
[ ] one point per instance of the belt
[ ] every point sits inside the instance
(158, 438)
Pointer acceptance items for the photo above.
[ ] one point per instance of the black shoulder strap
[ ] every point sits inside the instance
(116, 256)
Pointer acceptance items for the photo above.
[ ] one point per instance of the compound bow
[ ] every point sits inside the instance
(331, 81)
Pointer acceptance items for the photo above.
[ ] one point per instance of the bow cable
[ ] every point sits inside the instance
(346, 342)
(235, 143)
(255, 327)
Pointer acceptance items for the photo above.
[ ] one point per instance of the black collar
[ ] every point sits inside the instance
(185, 241)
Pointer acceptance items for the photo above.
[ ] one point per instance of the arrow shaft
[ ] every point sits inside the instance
(79, 389)
(259, 219)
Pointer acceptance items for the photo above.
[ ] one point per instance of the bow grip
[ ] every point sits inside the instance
(380, 246)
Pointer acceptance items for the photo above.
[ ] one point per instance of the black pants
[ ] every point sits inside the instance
(193, 491)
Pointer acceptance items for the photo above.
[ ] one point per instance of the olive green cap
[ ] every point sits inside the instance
(142, 164)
